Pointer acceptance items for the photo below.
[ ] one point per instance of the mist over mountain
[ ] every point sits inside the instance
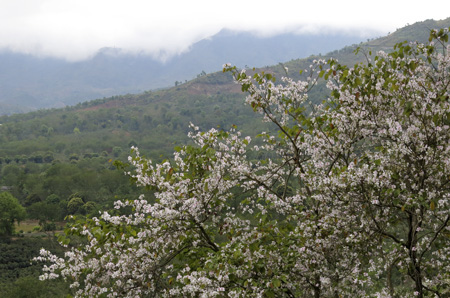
(28, 83)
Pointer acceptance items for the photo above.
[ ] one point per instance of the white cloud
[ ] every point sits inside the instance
(76, 29)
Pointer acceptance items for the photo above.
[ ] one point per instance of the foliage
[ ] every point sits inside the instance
(350, 198)
(44, 212)
(19, 276)
(74, 205)
(31, 287)
(10, 212)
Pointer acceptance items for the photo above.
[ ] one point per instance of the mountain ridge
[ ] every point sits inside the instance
(28, 83)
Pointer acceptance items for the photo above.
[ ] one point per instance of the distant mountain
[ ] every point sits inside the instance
(29, 83)
(244, 48)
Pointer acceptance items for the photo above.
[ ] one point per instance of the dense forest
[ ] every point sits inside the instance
(71, 161)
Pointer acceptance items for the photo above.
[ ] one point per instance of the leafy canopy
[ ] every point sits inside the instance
(10, 212)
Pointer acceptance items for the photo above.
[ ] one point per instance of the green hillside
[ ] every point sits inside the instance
(417, 32)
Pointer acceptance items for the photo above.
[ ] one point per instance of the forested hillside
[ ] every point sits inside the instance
(60, 162)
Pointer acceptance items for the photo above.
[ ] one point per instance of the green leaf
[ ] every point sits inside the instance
(432, 205)
(335, 94)
(276, 283)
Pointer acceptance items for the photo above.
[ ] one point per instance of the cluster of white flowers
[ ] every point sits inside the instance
(338, 201)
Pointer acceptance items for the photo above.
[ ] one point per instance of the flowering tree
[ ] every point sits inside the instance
(348, 198)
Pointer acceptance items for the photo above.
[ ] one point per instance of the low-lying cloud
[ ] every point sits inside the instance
(76, 30)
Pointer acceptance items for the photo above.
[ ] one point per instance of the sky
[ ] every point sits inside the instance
(77, 29)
